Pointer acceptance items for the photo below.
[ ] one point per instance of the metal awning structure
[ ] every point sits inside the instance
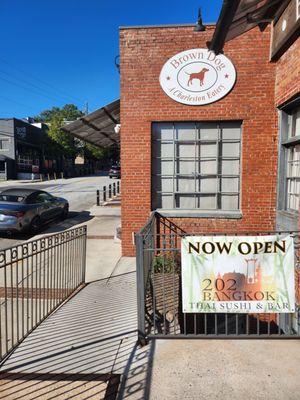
(239, 16)
(98, 127)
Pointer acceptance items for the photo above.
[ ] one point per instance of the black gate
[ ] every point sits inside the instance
(159, 293)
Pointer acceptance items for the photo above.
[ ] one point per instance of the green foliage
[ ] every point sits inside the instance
(69, 112)
(63, 140)
(55, 118)
(166, 262)
(106, 155)
(94, 151)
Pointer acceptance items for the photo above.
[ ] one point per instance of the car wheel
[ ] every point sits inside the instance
(65, 213)
(35, 225)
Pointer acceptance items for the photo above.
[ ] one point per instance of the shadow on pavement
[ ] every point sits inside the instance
(87, 349)
(73, 219)
(54, 226)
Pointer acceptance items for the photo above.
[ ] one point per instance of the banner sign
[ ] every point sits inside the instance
(238, 274)
(197, 77)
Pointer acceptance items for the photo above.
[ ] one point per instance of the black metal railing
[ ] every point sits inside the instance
(35, 278)
(159, 292)
(108, 192)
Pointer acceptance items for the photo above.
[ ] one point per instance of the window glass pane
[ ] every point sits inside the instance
(163, 131)
(162, 167)
(293, 167)
(185, 185)
(294, 123)
(230, 167)
(186, 167)
(167, 201)
(185, 201)
(166, 150)
(208, 185)
(297, 123)
(293, 178)
(230, 185)
(230, 149)
(162, 149)
(229, 203)
(185, 131)
(289, 126)
(207, 202)
(166, 184)
(208, 167)
(231, 130)
(208, 150)
(186, 150)
(208, 131)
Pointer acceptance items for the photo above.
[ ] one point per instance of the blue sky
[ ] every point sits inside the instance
(55, 52)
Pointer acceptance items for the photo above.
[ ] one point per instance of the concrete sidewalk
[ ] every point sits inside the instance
(87, 349)
(93, 335)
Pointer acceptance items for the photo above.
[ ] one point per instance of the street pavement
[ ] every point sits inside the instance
(80, 192)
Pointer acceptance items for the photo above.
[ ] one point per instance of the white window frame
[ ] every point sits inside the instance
(289, 179)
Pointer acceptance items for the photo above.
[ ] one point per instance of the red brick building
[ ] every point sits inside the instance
(249, 186)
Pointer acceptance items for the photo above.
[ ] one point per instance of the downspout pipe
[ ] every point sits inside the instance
(227, 14)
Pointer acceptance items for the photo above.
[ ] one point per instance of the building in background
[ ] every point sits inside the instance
(21, 149)
(24, 150)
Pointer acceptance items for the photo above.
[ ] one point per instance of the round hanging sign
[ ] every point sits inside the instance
(197, 77)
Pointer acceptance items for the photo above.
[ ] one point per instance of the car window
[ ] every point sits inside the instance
(11, 198)
(39, 198)
(43, 197)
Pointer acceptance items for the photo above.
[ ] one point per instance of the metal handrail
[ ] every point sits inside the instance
(158, 249)
(35, 278)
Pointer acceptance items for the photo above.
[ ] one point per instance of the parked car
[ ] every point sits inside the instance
(28, 209)
(115, 172)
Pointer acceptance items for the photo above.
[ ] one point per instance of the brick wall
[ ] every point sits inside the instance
(288, 74)
(143, 52)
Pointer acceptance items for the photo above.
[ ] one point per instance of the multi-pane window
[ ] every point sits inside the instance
(292, 146)
(26, 157)
(196, 165)
(293, 177)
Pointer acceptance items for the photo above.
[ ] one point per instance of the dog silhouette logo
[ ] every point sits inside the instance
(197, 75)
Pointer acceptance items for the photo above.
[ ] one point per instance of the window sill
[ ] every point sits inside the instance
(200, 214)
(288, 213)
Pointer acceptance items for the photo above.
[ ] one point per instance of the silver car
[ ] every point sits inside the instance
(28, 209)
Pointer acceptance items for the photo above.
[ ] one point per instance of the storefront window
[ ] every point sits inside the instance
(196, 166)
(293, 177)
(26, 157)
(291, 146)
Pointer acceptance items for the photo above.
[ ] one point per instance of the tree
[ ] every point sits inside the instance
(69, 112)
(94, 151)
(106, 155)
(55, 118)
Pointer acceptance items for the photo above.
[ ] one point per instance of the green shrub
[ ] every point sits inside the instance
(166, 262)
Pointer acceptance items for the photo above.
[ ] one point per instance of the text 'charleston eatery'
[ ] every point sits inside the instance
(210, 133)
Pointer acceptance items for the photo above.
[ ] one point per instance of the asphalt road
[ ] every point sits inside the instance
(80, 192)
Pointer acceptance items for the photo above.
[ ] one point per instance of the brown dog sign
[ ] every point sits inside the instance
(197, 77)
